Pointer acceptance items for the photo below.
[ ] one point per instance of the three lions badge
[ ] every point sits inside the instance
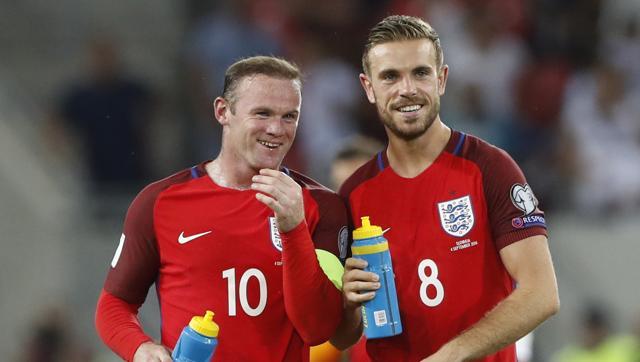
(456, 216)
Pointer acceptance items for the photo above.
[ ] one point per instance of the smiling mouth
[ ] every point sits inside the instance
(410, 108)
(270, 145)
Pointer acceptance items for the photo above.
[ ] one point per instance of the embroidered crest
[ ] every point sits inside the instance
(522, 197)
(275, 233)
(456, 216)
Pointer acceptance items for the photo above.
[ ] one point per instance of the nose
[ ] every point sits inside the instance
(275, 126)
(408, 87)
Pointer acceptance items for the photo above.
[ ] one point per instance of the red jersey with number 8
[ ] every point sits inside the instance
(446, 227)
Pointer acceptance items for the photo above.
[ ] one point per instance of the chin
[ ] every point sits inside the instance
(272, 164)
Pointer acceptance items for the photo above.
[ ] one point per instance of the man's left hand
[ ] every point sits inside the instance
(282, 195)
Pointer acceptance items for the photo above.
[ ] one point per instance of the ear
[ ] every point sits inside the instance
(220, 109)
(368, 88)
(443, 75)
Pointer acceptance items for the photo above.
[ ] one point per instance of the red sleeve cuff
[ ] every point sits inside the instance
(296, 233)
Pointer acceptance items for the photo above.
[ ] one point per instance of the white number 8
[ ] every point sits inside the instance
(432, 279)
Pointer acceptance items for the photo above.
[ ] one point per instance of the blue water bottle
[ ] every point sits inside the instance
(198, 340)
(381, 315)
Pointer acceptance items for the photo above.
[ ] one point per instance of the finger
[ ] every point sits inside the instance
(269, 172)
(357, 298)
(278, 176)
(267, 189)
(275, 188)
(355, 263)
(360, 275)
(166, 356)
(263, 179)
(360, 287)
(274, 177)
(279, 202)
(270, 202)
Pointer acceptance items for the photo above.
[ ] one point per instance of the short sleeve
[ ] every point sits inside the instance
(513, 208)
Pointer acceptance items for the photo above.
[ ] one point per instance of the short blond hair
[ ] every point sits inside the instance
(397, 28)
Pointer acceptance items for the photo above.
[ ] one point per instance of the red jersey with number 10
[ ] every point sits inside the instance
(447, 226)
(208, 247)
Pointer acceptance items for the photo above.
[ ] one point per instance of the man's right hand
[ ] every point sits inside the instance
(358, 286)
(152, 352)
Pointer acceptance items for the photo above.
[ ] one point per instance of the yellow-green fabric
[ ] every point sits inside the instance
(614, 349)
(331, 266)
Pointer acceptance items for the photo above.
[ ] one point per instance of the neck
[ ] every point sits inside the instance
(228, 173)
(409, 158)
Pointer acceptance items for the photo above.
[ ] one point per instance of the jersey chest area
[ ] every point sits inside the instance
(209, 232)
(444, 257)
(440, 212)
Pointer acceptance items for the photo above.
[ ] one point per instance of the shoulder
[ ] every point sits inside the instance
(490, 159)
(149, 194)
(367, 171)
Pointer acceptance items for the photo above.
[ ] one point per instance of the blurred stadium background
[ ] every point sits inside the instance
(553, 82)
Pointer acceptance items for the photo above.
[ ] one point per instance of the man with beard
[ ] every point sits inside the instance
(468, 242)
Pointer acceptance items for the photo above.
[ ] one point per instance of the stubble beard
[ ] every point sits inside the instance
(414, 133)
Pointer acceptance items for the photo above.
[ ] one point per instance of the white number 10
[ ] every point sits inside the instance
(230, 274)
(431, 279)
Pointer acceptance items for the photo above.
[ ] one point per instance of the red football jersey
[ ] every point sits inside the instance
(208, 247)
(446, 227)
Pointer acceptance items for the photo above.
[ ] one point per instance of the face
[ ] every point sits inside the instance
(405, 85)
(261, 128)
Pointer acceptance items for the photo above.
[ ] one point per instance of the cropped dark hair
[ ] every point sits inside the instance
(267, 65)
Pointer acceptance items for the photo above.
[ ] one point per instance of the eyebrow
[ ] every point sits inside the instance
(394, 71)
(261, 109)
(427, 68)
(272, 111)
(389, 71)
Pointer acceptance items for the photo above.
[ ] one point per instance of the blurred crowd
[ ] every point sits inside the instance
(555, 83)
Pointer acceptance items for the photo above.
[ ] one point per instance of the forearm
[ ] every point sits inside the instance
(349, 330)
(510, 320)
(312, 302)
(118, 326)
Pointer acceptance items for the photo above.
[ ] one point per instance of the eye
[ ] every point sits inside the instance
(422, 73)
(262, 114)
(290, 117)
(389, 76)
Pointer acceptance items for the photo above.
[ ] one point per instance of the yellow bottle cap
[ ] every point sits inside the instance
(367, 230)
(205, 325)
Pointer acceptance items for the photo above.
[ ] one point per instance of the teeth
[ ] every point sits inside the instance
(268, 144)
(412, 108)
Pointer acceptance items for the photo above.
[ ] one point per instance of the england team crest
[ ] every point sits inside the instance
(456, 216)
(275, 233)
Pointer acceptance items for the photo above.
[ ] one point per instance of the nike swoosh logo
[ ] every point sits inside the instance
(185, 239)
